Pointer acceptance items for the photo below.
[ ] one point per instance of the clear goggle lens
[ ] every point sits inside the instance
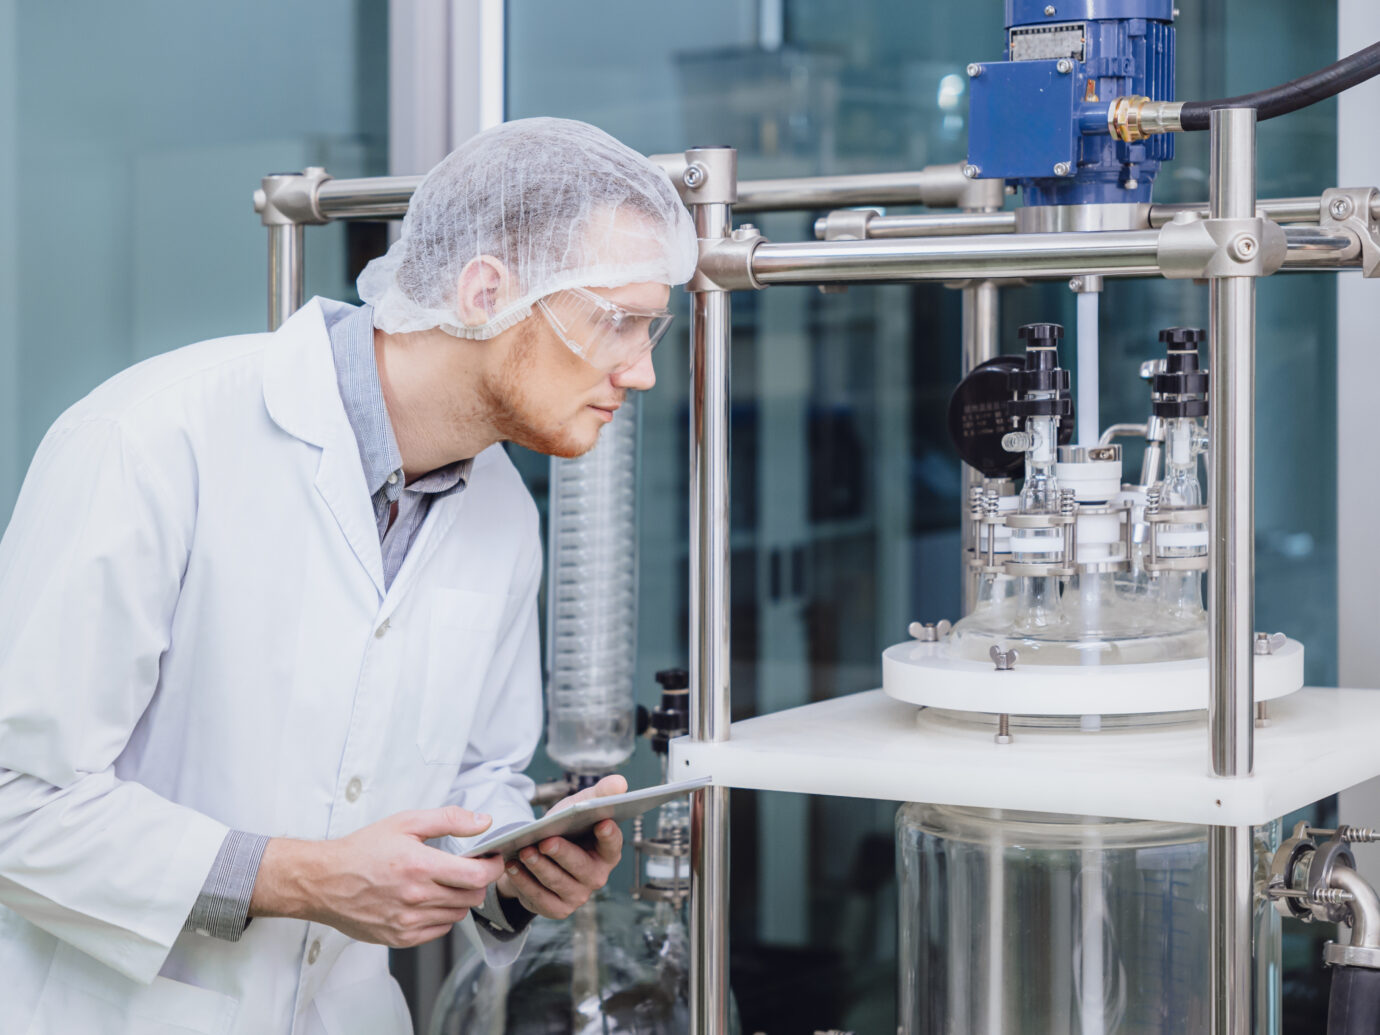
(607, 335)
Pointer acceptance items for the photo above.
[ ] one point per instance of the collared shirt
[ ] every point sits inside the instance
(357, 373)
(222, 908)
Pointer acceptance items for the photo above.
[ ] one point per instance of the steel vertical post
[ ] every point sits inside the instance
(710, 187)
(284, 272)
(981, 327)
(1231, 573)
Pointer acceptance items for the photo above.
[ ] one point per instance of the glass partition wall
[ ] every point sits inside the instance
(846, 494)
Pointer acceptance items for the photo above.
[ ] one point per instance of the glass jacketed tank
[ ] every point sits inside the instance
(1018, 923)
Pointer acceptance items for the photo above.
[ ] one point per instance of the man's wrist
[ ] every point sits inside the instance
(285, 880)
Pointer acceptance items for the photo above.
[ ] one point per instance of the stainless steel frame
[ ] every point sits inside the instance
(909, 248)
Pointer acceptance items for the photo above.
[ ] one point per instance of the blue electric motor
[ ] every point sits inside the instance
(1039, 119)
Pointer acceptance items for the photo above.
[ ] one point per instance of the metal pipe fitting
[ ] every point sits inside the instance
(1134, 118)
(1364, 907)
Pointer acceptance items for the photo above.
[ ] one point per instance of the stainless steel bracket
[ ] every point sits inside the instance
(1192, 248)
(290, 199)
(1352, 210)
(726, 262)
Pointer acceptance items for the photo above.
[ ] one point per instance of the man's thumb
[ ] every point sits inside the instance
(452, 819)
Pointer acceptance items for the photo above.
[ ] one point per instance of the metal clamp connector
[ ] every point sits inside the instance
(726, 262)
(290, 199)
(1349, 209)
(1196, 248)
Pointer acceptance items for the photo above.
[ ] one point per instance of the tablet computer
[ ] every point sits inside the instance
(580, 818)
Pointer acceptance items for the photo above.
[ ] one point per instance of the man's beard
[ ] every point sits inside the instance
(516, 419)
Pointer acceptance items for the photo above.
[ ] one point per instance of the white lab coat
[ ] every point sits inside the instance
(196, 637)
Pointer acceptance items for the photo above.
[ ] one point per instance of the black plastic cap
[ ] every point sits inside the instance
(1183, 336)
(1041, 333)
(673, 679)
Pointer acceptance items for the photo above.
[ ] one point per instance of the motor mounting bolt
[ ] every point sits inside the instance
(971, 171)
(1063, 66)
(1062, 169)
(1131, 183)
(694, 175)
(974, 70)
(1340, 208)
(1243, 247)
(1049, 11)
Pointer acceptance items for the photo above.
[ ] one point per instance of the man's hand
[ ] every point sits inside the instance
(381, 883)
(556, 876)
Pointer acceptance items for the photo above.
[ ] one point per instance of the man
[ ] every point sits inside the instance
(270, 624)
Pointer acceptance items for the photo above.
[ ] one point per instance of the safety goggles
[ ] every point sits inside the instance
(607, 335)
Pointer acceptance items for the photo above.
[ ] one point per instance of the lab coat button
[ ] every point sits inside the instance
(393, 478)
(353, 788)
(379, 632)
(314, 951)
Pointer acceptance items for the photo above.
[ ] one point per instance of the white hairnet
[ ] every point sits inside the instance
(560, 203)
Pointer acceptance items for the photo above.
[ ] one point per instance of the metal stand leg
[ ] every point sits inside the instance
(284, 272)
(981, 323)
(710, 177)
(1231, 575)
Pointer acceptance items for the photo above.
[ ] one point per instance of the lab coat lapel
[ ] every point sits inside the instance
(303, 398)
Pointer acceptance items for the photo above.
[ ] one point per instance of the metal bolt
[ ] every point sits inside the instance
(1243, 247)
(1063, 66)
(974, 70)
(971, 171)
(1068, 501)
(1262, 718)
(694, 175)
(1003, 727)
(1152, 501)
(1062, 169)
(1340, 208)
(1010, 190)
(1332, 896)
(1131, 183)
(1049, 11)
(930, 632)
(745, 232)
(991, 503)
(1005, 660)
(1359, 835)
(1268, 643)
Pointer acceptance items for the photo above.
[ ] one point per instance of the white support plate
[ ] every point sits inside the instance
(925, 673)
(867, 745)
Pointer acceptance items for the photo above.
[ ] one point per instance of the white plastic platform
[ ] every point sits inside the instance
(868, 745)
(925, 673)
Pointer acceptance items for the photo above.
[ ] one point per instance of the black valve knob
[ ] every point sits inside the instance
(1194, 336)
(671, 718)
(1037, 334)
(1041, 373)
(1180, 390)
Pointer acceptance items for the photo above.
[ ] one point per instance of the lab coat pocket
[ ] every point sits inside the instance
(462, 632)
(82, 995)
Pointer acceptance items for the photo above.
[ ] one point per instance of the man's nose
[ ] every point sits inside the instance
(639, 377)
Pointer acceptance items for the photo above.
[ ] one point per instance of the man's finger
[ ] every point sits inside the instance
(577, 861)
(456, 871)
(553, 877)
(609, 785)
(609, 841)
(534, 897)
(450, 820)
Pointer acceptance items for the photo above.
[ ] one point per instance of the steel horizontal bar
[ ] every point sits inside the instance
(1123, 253)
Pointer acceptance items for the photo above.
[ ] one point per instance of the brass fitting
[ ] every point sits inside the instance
(1134, 118)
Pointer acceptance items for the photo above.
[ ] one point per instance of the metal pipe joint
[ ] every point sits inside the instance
(291, 199)
(726, 262)
(1353, 210)
(1194, 248)
(1134, 118)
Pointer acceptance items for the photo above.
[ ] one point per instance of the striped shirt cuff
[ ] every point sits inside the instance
(222, 909)
(504, 920)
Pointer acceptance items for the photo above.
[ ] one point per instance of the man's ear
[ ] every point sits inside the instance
(482, 285)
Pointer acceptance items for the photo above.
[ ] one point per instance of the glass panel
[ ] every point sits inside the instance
(132, 136)
(845, 487)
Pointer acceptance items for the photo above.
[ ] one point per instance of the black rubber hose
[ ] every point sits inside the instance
(1280, 100)
(1354, 1008)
